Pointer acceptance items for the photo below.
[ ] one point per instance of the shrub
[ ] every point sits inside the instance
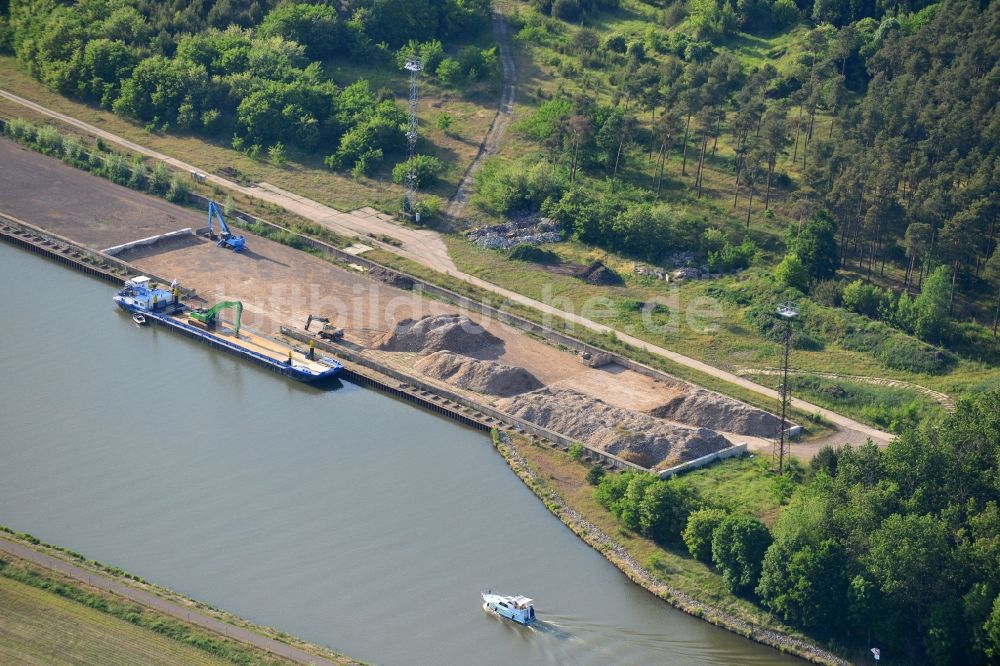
(864, 298)
(792, 272)
(664, 509)
(427, 169)
(449, 71)
(21, 130)
(178, 190)
(738, 547)
(159, 181)
(567, 10)
(901, 352)
(533, 253)
(49, 140)
(503, 189)
(731, 257)
(616, 43)
(576, 451)
(138, 178)
(595, 474)
(444, 121)
(116, 169)
(828, 292)
(698, 533)
(276, 153)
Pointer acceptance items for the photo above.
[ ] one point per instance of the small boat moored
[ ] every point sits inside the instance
(516, 608)
(139, 319)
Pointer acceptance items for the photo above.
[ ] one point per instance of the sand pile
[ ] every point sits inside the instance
(711, 410)
(631, 435)
(473, 374)
(450, 332)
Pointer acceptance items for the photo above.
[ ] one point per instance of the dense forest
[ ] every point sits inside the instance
(897, 547)
(252, 71)
(877, 134)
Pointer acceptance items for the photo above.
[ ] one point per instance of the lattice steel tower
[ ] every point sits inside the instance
(413, 65)
(787, 311)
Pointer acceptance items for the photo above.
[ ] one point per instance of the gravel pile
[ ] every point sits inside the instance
(632, 435)
(449, 332)
(505, 236)
(706, 409)
(473, 374)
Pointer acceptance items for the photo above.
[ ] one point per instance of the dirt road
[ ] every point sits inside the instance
(427, 248)
(504, 115)
(185, 613)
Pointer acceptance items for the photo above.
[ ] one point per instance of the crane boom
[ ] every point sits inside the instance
(208, 316)
(228, 238)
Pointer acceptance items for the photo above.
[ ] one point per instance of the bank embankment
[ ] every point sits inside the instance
(523, 458)
(218, 632)
(417, 390)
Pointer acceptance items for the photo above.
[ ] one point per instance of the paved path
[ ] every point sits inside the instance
(192, 615)
(427, 248)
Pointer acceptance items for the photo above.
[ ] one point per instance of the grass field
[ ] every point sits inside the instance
(41, 627)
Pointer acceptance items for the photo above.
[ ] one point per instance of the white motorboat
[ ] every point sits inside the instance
(139, 319)
(516, 608)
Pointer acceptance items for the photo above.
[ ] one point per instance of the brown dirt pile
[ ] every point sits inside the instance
(706, 409)
(598, 273)
(625, 433)
(473, 374)
(449, 332)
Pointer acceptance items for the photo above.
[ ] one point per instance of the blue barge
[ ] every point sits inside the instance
(163, 307)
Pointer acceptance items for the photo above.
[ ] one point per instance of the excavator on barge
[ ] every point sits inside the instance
(207, 318)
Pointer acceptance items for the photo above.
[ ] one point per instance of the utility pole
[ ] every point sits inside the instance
(787, 311)
(413, 65)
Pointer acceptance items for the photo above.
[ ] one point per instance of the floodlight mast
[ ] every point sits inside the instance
(787, 311)
(414, 66)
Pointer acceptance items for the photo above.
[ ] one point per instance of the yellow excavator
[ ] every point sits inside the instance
(329, 331)
(208, 318)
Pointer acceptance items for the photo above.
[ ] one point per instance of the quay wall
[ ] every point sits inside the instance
(357, 367)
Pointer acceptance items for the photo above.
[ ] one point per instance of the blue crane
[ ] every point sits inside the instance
(226, 237)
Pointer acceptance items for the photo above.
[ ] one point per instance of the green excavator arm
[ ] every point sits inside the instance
(208, 316)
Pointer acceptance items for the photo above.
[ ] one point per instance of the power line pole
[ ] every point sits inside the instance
(413, 65)
(787, 311)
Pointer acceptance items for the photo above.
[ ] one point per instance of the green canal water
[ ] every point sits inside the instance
(342, 516)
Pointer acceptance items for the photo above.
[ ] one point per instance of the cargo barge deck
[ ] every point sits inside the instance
(163, 308)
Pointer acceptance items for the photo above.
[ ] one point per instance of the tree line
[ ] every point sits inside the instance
(888, 113)
(252, 69)
(896, 547)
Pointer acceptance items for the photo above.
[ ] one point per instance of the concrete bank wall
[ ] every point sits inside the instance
(733, 451)
(439, 397)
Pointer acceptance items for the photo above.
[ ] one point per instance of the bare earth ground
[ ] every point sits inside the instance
(278, 284)
(97, 214)
(427, 248)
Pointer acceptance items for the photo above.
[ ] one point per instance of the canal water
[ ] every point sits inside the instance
(341, 516)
